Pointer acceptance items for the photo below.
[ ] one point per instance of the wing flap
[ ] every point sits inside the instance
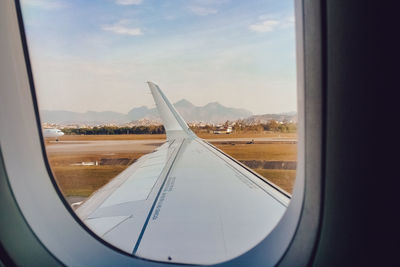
(125, 202)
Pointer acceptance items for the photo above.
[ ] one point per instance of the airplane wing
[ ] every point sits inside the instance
(186, 202)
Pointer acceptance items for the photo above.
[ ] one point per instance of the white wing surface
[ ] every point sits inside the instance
(187, 202)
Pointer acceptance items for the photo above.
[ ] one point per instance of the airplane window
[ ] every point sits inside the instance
(170, 127)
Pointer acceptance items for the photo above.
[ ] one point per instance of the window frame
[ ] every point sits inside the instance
(292, 240)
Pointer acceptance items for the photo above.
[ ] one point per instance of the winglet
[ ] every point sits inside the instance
(172, 120)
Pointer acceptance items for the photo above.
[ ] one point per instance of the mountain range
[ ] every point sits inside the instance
(211, 113)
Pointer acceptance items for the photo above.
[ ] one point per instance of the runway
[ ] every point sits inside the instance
(103, 146)
(139, 146)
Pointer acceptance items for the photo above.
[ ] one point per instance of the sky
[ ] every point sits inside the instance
(97, 55)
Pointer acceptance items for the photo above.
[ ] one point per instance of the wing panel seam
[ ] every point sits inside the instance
(155, 202)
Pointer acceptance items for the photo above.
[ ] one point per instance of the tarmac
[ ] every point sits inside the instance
(139, 146)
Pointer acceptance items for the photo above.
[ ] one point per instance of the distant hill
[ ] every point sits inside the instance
(212, 113)
(142, 113)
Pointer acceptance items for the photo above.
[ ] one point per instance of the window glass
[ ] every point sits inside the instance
(119, 152)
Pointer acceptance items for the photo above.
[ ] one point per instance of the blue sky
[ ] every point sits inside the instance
(97, 55)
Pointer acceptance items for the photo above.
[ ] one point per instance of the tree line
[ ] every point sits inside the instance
(153, 129)
(272, 126)
(241, 127)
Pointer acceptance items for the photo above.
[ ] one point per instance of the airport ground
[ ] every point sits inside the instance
(81, 164)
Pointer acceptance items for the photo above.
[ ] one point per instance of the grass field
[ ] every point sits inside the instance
(283, 178)
(84, 180)
(260, 151)
(78, 180)
(268, 152)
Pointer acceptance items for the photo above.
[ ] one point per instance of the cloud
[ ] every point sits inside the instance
(203, 11)
(44, 4)
(128, 2)
(121, 27)
(288, 22)
(264, 26)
